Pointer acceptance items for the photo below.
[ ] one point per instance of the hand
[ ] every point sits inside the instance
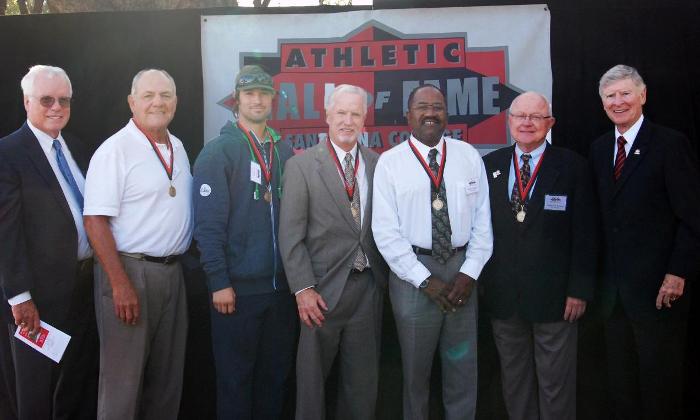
(27, 317)
(462, 287)
(670, 290)
(574, 309)
(310, 305)
(224, 300)
(126, 302)
(438, 290)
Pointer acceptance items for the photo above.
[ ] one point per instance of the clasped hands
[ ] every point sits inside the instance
(449, 296)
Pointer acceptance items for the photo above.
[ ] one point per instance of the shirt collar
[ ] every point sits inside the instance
(139, 134)
(45, 140)
(631, 134)
(535, 154)
(424, 150)
(341, 153)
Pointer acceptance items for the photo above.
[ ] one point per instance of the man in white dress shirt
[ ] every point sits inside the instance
(138, 215)
(431, 221)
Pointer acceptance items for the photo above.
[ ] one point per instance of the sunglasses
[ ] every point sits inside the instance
(48, 101)
(261, 78)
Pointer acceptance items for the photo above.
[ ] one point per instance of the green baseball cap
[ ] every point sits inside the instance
(254, 77)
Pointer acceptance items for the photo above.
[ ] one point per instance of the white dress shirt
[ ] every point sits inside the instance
(46, 143)
(401, 212)
(534, 160)
(630, 135)
(360, 178)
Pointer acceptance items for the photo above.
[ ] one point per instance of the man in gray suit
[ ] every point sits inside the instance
(332, 263)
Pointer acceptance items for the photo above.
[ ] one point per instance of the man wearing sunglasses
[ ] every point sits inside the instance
(237, 190)
(45, 257)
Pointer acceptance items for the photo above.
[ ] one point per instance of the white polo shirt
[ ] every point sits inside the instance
(127, 182)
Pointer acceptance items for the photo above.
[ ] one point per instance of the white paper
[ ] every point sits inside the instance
(255, 173)
(50, 341)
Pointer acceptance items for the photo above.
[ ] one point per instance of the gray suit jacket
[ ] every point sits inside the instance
(318, 236)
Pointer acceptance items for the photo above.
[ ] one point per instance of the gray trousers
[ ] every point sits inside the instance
(353, 329)
(422, 327)
(538, 368)
(141, 366)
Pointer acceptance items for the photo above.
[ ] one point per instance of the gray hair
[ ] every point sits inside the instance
(344, 88)
(50, 72)
(532, 92)
(138, 76)
(620, 72)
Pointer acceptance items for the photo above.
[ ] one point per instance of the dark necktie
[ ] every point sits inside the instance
(525, 178)
(620, 157)
(67, 174)
(360, 261)
(441, 230)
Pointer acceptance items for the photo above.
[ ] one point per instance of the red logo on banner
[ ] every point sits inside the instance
(388, 65)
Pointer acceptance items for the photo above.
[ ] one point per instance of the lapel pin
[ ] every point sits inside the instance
(495, 174)
(636, 151)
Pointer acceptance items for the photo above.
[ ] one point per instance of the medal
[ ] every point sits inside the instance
(167, 167)
(524, 190)
(262, 161)
(267, 196)
(520, 217)
(172, 191)
(438, 204)
(349, 187)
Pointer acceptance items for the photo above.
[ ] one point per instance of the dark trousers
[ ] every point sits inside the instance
(68, 389)
(8, 400)
(645, 365)
(254, 352)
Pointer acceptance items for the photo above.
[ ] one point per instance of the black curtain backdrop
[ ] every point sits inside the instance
(102, 51)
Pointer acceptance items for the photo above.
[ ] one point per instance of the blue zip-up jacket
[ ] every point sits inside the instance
(236, 233)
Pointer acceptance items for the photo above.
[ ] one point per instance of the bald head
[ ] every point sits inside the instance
(529, 120)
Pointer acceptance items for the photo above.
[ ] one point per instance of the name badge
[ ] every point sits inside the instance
(472, 186)
(255, 173)
(555, 202)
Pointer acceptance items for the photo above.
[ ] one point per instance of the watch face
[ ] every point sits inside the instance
(424, 284)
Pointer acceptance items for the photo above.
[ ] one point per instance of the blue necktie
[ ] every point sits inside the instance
(67, 174)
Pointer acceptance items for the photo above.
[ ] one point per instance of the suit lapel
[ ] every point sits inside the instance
(330, 177)
(370, 163)
(38, 157)
(500, 193)
(637, 153)
(546, 177)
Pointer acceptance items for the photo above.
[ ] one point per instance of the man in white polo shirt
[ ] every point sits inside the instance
(138, 216)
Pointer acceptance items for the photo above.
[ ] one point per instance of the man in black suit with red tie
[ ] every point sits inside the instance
(648, 187)
(542, 272)
(45, 257)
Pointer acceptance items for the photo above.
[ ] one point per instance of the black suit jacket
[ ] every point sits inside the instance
(38, 250)
(651, 218)
(536, 264)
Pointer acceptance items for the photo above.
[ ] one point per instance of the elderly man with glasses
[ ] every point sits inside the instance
(45, 257)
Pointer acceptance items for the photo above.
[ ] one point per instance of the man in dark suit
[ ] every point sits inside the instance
(542, 271)
(332, 263)
(45, 257)
(649, 190)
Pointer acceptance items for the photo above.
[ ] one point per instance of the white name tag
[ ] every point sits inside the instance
(255, 173)
(555, 202)
(472, 186)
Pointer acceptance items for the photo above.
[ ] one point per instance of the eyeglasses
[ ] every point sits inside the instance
(535, 118)
(48, 101)
(257, 78)
(425, 107)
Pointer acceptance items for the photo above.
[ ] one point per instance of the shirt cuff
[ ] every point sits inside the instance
(418, 274)
(20, 298)
(299, 291)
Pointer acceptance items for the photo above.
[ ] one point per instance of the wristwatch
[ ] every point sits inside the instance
(424, 284)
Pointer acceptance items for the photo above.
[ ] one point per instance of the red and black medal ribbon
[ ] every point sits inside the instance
(523, 191)
(349, 189)
(436, 180)
(152, 141)
(266, 169)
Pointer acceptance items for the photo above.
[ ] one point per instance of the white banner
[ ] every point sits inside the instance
(481, 57)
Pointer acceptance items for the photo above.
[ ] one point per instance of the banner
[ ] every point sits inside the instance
(481, 57)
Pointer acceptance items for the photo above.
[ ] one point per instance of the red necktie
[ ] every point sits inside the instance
(620, 157)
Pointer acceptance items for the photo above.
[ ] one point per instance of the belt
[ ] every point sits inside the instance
(170, 259)
(422, 251)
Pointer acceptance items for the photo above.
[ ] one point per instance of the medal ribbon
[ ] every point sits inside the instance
(349, 189)
(152, 141)
(435, 180)
(266, 170)
(524, 191)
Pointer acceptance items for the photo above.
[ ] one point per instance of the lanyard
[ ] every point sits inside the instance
(436, 180)
(266, 169)
(167, 167)
(349, 189)
(525, 190)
